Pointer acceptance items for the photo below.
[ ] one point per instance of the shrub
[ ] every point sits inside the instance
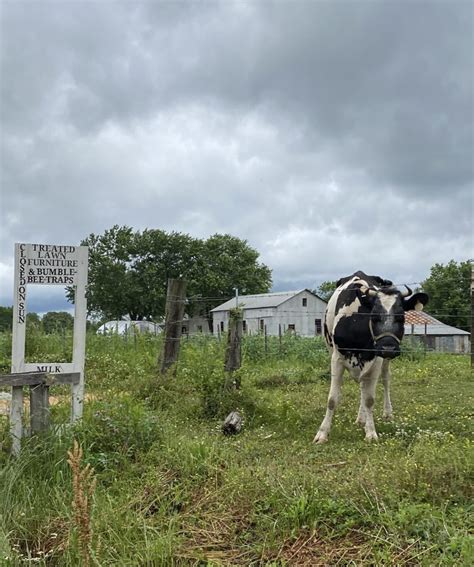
(116, 431)
(412, 348)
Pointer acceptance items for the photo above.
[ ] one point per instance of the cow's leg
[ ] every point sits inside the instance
(361, 419)
(368, 384)
(337, 369)
(387, 404)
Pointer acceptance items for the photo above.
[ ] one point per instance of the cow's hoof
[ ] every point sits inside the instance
(388, 416)
(372, 436)
(320, 438)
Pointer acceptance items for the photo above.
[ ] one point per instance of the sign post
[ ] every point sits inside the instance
(44, 264)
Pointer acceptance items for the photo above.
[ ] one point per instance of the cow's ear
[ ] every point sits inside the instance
(417, 301)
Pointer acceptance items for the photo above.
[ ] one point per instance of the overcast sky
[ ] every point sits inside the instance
(333, 136)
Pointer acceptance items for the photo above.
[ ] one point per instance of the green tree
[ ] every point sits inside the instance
(33, 322)
(6, 318)
(325, 290)
(448, 287)
(129, 271)
(159, 255)
(57, 322)
(33, 319)
(225, 263)
(110, 287)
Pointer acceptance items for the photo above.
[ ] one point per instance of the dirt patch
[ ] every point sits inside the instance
(216, 534)
(5, 401)
(311, 549)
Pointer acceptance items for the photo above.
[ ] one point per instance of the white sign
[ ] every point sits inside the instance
(50, 265)
(45, 264)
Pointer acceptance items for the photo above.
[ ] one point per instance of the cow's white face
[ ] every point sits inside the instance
(387, 317)
(387, 323)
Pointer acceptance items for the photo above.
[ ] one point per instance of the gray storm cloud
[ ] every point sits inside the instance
(332, 136)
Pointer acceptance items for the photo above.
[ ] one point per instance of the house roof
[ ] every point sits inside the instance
(420, 318)
(417, 320)
(261, 300)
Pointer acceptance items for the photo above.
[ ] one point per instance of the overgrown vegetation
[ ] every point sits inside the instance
(172, 490)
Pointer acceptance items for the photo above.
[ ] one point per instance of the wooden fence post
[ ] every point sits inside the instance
(175, 304)
(39, 408)
(233, 353)
(39, 383)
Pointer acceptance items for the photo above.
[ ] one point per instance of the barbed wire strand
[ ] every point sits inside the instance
(207, 336)
(320, 314)
(242, 298)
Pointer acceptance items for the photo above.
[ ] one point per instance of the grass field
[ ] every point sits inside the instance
(172, 490)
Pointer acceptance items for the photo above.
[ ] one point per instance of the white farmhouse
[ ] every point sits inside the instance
(300, 312)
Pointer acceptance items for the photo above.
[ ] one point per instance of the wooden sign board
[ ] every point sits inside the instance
(45, 264)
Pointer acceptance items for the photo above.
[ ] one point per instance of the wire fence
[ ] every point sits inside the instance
(276, 345)
(256, 348)
(306, 321)
(263, 321)
(316, 314)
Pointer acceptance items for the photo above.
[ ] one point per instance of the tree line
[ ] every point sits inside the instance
(51, 322)
(129, 271)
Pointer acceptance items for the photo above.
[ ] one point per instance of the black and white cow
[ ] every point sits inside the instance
(363, 328)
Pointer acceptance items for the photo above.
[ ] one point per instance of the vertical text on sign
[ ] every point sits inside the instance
(21, 291)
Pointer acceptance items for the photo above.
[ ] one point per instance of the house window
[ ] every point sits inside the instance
(305, 301)
(262, 325)
(291, 328)
(184, 330)
(317, 324)
(222, 326)
(199, 328)
(244, 326)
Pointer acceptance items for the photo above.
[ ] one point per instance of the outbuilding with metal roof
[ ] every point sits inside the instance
(434, 334)
(300, 312)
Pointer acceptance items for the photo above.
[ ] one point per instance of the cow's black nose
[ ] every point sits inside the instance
(389, 351)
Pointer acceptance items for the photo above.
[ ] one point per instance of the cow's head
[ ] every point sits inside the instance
(387, 316)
